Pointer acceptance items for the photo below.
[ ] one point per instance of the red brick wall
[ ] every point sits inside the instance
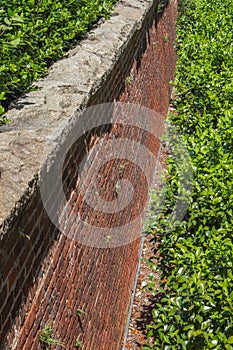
(48, 277)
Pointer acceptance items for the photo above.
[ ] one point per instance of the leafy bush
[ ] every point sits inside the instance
(35, 33)
(195, 308)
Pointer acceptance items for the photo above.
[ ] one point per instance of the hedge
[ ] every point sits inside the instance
(35, 33)
(193, 308)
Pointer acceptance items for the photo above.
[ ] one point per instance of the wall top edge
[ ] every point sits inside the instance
(46, 113)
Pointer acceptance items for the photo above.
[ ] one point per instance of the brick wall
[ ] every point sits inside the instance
(46, 276)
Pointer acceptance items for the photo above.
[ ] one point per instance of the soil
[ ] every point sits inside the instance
(143, 301)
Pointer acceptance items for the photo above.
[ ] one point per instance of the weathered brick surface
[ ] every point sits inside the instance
(45, 276)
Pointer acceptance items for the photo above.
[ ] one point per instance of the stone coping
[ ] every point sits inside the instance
(47, 114)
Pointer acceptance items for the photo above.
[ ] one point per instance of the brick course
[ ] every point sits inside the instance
(45, 276)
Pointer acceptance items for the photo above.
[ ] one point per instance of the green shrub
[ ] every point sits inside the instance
(33, 34)
(195, 307)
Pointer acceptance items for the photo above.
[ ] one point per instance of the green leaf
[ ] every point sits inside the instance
(15, 42)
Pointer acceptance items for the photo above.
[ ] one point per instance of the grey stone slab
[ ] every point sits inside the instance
(46, 114)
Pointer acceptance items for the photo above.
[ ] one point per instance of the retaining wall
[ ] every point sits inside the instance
(44, 275)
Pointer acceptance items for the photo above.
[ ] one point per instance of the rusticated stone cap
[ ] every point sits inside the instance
(49, 112)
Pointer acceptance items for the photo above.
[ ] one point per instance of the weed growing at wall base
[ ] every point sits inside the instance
(194, 309)
(33, 34)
